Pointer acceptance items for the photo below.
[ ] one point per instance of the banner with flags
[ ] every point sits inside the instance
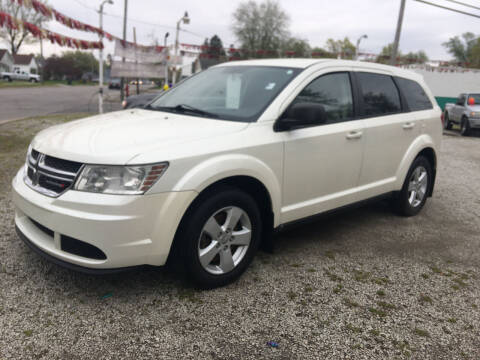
(10, 22)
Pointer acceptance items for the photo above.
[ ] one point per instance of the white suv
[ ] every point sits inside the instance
(203, 174)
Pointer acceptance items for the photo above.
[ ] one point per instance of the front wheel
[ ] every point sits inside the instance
(33, 80)
(7, 78)
(411, 199)
(465, 127)
(219, 237)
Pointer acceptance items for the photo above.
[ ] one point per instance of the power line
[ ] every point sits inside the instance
(141, 21)
(463, 4)
(447, 8)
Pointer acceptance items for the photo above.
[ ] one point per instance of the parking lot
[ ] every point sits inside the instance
(361, 284)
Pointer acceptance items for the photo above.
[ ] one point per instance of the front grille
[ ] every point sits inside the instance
(50, 175)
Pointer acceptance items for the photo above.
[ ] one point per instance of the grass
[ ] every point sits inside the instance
(385, 305)
(330, 254)
(353, 329)
(337, 289)
(425, 299)
(360, 275)
(452, 320)
(28, 332)
(27, 84)
(291, 295)
(378, 312)
(375, 332)
(350, 303)
(332, 276)
(381, 293)
(421, 332)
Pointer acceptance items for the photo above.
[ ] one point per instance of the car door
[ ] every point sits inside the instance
(459, 107)
(322, 163)
(389, 131)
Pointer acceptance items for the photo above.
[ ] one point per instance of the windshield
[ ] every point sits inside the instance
(238, 93)
(476, 98)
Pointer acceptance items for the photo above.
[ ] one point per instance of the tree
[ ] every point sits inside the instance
(343, 47)
(72, 64)
(465, 50)
(17, 37)
(321, 52)
(214, 47)
(260, 27)
(419, 57)
(299, 47)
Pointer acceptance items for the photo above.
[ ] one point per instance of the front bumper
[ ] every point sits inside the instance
(474, 123)
(130, 230)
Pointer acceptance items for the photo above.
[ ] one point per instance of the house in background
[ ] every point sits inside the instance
(26, 63)
(6, 61)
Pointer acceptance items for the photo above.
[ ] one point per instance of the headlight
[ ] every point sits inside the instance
(119, 179)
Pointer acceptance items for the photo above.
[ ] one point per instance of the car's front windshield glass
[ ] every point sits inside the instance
(238, 93)
(476, 97)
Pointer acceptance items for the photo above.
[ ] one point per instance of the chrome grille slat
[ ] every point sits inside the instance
(53, 179)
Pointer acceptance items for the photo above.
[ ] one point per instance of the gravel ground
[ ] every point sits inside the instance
(364, 284)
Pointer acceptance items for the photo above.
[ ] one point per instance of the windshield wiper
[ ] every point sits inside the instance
(188, 108)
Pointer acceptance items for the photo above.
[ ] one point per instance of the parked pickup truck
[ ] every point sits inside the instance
(19, 75)
(465, 112)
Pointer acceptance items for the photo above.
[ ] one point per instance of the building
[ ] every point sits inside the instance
(26, 63)
(6, 61)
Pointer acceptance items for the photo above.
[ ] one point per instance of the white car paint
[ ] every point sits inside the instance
(306, 171)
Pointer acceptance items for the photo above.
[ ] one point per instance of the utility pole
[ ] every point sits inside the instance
(393, 55)
(100, 91)
(166, 57)
(136, 62)
(186, 20)
(122, 80)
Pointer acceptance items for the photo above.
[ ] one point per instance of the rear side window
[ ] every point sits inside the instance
(414, 94)
(380, 94)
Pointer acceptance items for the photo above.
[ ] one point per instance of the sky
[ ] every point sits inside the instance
(424, 28)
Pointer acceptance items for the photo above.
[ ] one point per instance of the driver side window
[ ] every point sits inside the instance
(334, 93)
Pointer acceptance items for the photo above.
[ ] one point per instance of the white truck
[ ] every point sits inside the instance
(19, 75)
(465, 112)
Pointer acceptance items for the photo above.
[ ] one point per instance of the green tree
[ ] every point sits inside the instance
(300, 47)
(17, 37)
(418, 57)
(260, 26)
(321, 52)
(344, 48)
(216, 46)
(462, 48)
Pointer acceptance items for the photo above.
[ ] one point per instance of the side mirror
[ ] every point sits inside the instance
(301, 115)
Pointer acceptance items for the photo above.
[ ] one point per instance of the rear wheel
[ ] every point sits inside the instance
(219, 237)
(7, 78)
(411, 199)
(447, 124)
(32, 80)
(465, 127)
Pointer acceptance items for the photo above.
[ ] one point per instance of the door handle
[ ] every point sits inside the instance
(408, 125)
(354, 135)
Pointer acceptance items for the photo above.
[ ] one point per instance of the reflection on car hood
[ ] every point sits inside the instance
(116, 138)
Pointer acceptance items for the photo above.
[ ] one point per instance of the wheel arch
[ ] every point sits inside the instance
(425, 146)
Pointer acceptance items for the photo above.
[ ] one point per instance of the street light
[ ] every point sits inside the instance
(358, 44)
(186, 20)
(166, 56)
(100, 92)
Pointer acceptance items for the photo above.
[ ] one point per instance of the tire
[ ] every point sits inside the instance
(212, 259)
(7, 78)
(33, 80)
(465, 127)
(447, 125)
(404, 202)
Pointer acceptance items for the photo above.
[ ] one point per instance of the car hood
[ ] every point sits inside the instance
(474, 107)
(115, 138)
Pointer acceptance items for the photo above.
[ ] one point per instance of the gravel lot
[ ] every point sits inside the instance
(363, 284)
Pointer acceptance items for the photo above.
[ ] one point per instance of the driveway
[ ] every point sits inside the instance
(20, 103)
(363, 284)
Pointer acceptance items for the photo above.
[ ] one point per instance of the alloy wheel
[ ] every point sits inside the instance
(417, 186)
(224, 240)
